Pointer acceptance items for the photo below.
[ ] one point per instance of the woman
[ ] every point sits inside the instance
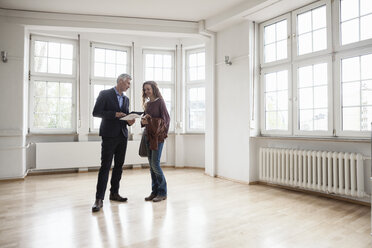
(156, 122)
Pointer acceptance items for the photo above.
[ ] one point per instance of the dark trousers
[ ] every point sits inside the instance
(111, 147)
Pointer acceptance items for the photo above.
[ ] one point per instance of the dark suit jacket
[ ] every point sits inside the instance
(106, 106)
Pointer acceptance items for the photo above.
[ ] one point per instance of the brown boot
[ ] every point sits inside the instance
(159, 198)
(150, 197)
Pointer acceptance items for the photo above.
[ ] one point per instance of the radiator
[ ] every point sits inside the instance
(61, 155)
(330, 172)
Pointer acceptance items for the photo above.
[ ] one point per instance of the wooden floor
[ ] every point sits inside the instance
(55, 211)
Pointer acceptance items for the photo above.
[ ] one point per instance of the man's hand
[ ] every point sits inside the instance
(131, 122)
(119, 114)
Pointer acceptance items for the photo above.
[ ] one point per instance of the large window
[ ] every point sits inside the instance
(108, 62)
(195, 90)
(159, 67)
(52, 85)
(321, 104)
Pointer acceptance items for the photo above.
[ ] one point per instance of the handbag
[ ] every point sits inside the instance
(142, 152)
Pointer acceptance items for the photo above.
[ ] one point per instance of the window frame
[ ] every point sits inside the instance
(31, 106)
(45, 76)
(164, 84)
(192, 84)
(187, 104)
(337, 31)
(289, 40)
(187, 69)
(92, 102)
(296, 121)
(53, 39)
(338, 93)
(94, 45)
(264, 71)
(302, 10)
(103, 80)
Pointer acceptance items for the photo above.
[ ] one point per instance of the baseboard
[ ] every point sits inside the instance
(12, 179)
(335, 197)
(254, 183)
(35, 172)
(233, 180)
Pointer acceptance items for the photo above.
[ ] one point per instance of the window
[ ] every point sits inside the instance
(195, 90)
(355, 20)
(356, 91)
(196, 105)
(330, 87)
(313, 92)
(275, 40)
(52, 85)
(311, 34)
(159, 67)
(108, 62)
(276, 100)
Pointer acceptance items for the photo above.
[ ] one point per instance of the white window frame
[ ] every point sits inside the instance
(73, 98)
(338, 96)
(191, 84)
(95, 45)
(40, 76)
(92, 103)
(53, 39)
(104, 80)
(164, 84)
(296, 121)
(297, 12)
(337, 31)
(289, 41)
(262, 94)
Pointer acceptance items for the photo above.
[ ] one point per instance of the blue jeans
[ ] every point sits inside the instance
(158, 182)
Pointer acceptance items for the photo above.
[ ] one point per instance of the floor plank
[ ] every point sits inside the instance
(55, 211)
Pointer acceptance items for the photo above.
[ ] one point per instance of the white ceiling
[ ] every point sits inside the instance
(186, 10)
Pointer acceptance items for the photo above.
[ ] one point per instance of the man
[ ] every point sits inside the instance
(111, 105)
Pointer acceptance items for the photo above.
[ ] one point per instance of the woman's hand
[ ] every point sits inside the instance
(144, 119)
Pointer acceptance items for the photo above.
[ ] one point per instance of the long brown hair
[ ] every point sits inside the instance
(155, 92)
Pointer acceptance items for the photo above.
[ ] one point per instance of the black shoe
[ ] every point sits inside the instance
(150, 197)
(98, 204)
(117, 197)
(159, 198)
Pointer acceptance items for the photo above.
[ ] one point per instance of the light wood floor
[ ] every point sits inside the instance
(55, 211)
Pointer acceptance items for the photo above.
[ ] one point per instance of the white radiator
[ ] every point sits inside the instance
(330, 172)
(60, 155)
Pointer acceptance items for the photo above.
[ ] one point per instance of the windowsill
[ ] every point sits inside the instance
(325, 139)
(93, 134)
(51, 134)
(193, 133)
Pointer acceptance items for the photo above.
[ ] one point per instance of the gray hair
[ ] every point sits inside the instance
(123, 76)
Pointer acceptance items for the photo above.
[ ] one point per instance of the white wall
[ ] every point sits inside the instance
(12, 159)
(15, 158)
(232, 103)
(190, 150)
